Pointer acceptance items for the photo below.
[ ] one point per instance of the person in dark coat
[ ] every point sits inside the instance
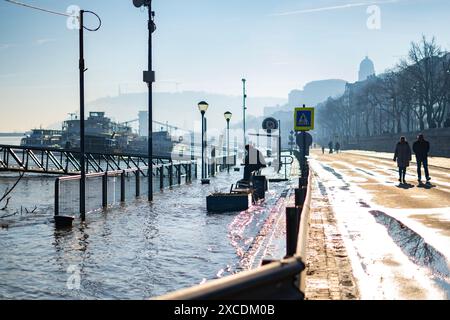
(421, 148)
(330, 146)
(403, 157)
(337, 147)
(254, 161)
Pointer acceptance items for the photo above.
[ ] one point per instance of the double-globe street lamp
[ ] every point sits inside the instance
(202, 107)
(228, 116)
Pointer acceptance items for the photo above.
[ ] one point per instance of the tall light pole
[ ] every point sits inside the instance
(83, 69)
(202, 107)
(227, 116)
(149, 78)
(279, 145)
(82, 151)
(244, 97)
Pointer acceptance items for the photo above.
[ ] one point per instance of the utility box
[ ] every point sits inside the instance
(229, 202)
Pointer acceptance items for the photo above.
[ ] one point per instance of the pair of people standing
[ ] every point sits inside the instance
(403, 156)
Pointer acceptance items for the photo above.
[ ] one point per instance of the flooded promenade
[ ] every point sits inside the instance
(129, 251)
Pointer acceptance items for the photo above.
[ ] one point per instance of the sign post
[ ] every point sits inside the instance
(303, 121)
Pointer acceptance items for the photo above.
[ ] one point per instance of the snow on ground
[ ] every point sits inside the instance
(383, 270)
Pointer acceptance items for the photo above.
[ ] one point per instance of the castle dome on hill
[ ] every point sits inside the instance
(366, 69)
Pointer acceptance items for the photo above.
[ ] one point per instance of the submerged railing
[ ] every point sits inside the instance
(114, 186)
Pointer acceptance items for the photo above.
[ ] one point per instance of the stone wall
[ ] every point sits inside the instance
(439, 140)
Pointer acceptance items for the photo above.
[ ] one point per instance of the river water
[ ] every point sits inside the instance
(132, 251)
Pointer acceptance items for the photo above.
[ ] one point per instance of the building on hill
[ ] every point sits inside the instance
(366, 69)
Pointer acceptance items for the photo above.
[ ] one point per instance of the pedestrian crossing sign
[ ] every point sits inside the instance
(304, 119)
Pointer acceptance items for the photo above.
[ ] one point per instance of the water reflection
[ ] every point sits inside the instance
(131, 251)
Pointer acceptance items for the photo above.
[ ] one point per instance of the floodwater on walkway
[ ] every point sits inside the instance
(132, 251)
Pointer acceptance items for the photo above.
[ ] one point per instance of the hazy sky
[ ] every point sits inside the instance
(204, 45)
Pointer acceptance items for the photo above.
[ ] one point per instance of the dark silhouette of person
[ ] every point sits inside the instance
(330, 145)
(254, 161)
(323, 150)
(421, 149)
(403, 157)
(337, 147)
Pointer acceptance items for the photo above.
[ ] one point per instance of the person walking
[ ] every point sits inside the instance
(337, 147)
(421, 149)
(403, 157)
(323, 149)
(330, 146)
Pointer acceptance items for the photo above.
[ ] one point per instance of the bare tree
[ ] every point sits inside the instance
(9, 190)
(424, 67)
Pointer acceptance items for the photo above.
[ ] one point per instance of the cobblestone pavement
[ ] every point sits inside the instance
(329, 271)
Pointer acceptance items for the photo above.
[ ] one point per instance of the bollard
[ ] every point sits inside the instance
(56, 197)
(122, 186)
(292, 225)
(105, 190)
(138, 184)
(195, 170)
(300, 196)
(190, 172)
(161, 177)
(302, 182)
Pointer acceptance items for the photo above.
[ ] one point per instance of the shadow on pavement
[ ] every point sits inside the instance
(427, 186)
(405, 186)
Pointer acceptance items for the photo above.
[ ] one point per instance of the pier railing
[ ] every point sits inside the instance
(116, 186)
(48, 160)
(274, 280)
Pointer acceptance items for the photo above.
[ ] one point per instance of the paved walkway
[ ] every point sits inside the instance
(329, 271)
(432, 161)
(397, 235)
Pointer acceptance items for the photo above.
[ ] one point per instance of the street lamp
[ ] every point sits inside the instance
(244, 107)
(202, 107)
(82, 69)
(149, 78)
(227, 116)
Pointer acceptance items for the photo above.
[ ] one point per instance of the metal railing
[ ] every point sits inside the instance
(288, 160)
(277, 280)
(59, 161)
(169, 174)
(283, 279)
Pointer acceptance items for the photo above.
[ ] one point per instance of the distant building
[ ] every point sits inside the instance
(366, 69)
(143, 123)
(268, 111)
(316, 91)
(296, 98)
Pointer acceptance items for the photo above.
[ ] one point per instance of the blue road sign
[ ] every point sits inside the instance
(304, 119)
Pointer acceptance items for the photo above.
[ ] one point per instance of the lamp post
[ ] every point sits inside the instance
(82, 69)
(244, 107)
(149, 78)
(203, 106)
(227, 116)
(279, 145)
(82, 151)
